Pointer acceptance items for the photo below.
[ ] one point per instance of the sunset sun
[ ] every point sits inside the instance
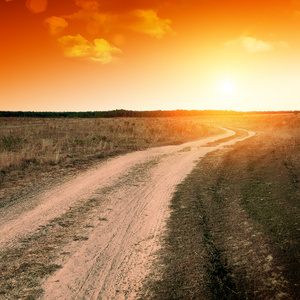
(227, 87)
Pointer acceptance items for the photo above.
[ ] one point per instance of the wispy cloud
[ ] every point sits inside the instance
(148, 22)
(56, 24)
(98, 50)
(144, 21)
(253, 45)
(91, 5)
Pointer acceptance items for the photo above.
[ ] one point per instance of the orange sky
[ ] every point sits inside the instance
(92, 55)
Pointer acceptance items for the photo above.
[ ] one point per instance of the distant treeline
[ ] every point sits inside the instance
(129, 113)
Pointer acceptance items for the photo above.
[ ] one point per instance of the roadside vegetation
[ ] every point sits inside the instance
(38, 152)
(234, 230)
(59, 141)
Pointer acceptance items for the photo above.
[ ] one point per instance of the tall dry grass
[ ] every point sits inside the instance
(26, 141)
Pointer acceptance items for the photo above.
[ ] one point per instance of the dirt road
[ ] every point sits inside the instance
(115, 215)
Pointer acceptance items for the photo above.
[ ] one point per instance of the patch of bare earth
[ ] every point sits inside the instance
(233, 231)
(96, 234)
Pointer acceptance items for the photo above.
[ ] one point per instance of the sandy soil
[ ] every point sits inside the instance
(123, 234)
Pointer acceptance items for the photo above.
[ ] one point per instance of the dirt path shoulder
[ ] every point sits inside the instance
(99, 231)
(233, 231)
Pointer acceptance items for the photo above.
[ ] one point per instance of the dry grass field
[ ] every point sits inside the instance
(37, 152)
(61, 141)
(234, 230)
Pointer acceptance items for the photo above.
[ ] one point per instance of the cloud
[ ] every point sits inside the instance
(122, 6)
(90, 5)
(99, 50)
(148, 22)
(94, 20)
(75, 46)
(253, 45)
(56, 24)
(104, 52)
(145, 21)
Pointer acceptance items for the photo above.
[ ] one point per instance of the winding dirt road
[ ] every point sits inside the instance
(120, 237)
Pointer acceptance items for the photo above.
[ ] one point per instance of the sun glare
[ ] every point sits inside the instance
(227, 87)
(228, 94)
